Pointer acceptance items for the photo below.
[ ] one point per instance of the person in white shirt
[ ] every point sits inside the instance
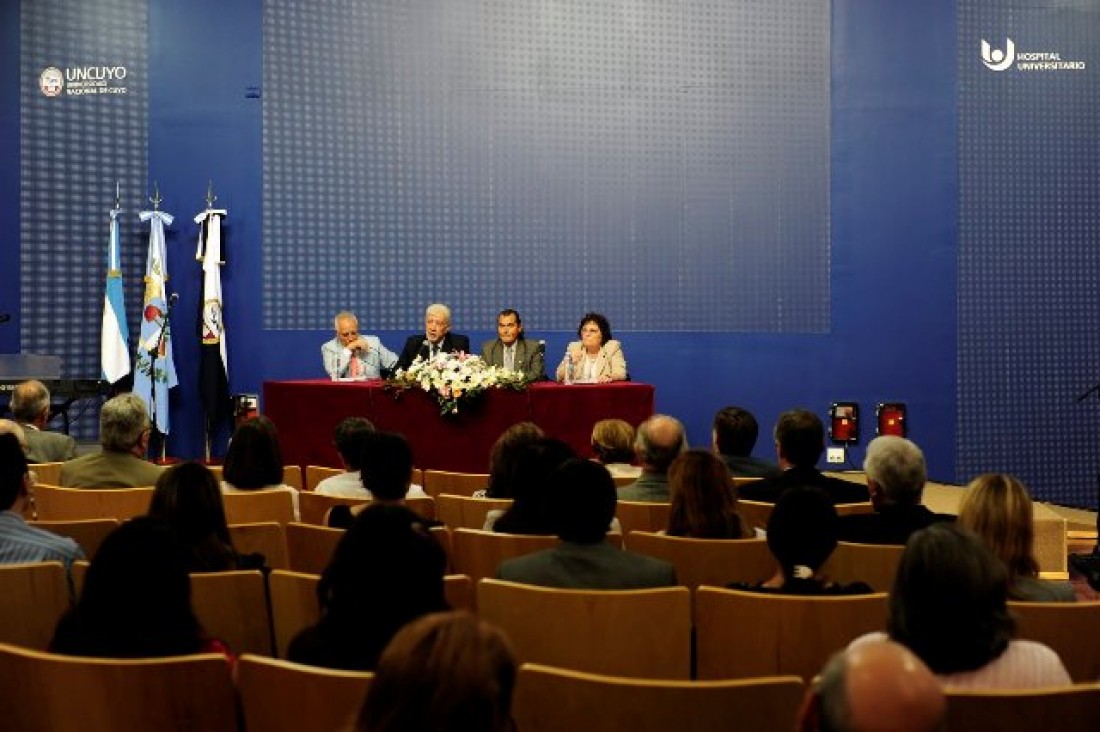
(353, 356)
(351, 437)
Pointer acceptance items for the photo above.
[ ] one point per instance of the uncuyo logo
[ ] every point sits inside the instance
(997, 60)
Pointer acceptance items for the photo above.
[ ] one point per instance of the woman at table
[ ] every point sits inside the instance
(253, 461)
(596, 357)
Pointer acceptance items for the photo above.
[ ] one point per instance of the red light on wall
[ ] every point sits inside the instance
(844, 422)
(891, 419)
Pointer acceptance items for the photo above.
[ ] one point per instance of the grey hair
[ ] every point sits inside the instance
(29, 399)
(897, 466)
(122, 421)
(439, 309)
(344, 315)
(831, 688)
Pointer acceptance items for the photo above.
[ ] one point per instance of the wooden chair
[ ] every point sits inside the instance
(253, 507)
(315, 506)
(1070, 628)
(316, 473)
(68, 504)
(707, 561)
(48, 473)
(87, 533)
(478, 553)
(875, 564)
(57, 692)
(464, 512)
(443, 535)
(267, 538)
(851, 509)
(755, 514)
(309, 547)
(1065, 709)
(642, 516)
(745, 634)
(636, 633)
(292, 476)
(33, 597)
(232, 606)
(459, 484)
(550, 699)
(280, 696)
(218, 471)
(621, 481)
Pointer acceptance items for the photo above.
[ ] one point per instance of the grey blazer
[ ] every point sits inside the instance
(48, 447)
(529, 359)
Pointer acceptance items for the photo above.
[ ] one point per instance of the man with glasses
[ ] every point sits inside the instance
(353, 356)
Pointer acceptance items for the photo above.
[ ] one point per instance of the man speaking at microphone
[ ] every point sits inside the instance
(437, 338)
(512, 351)
(353, 356)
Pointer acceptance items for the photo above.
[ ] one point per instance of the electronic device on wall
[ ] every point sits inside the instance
(844, 422)
(890, 418)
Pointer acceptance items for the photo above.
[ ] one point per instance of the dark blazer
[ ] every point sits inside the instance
(529, 359)
(414, 346)
(598, 566)
(747, 466)
(888, 525)
(768, 490)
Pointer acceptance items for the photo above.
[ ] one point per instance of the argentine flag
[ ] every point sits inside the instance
(114, 348)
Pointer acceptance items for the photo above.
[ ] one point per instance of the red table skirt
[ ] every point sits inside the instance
(307, 412)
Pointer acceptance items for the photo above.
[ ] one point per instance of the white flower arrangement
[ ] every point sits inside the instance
(455, 378)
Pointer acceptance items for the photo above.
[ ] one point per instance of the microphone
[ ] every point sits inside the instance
(173, 297)
(425, 349)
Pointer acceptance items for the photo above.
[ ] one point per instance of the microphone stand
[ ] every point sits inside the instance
(1090, 392)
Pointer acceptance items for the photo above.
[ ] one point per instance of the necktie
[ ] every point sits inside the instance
(353, 368)
(510, 357)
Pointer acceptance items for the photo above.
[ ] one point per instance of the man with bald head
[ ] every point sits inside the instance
(875, 686)
(658, 441)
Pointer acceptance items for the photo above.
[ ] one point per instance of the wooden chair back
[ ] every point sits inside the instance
(57, 692)
(68, 504)
(754, 514)
(1074, 707)
(232, 606)
(621, 481)
(315, 506)
(316, 473)
(280, 696)
(253, 507)
(636, 633)
(309, 547)
(549, 699)
(218, 471)
(48, 473)
(477, 554)
(745, 634)
(464, 512)
(875, 564)
(33, 597)
(267, 538)
(707, 561)
(852, 509)
(1070, 628)
(87, 533)
(292, 476)
(459, 484)
(642, 516)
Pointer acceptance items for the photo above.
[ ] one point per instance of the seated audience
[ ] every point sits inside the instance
(613, 447)
(895, 479)
(949, 606)
(188, 500)
(596, 357)
(387, 467)
(802, 536)
(878, 686)
(660, 439)
(124, 435)
(733, 436)
(582, 505)
(253, 461)
(532, 484)
(704, 501)
(30, 405)
(8, 427)
(998, 509)
(20, 543)
(447, 672)
(502, 459)
(386, 571)
(799, 442)
(136, 601)
(350, 439)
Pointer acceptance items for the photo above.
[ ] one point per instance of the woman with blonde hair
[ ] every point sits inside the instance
(613, 447)
(704, 502)
(998, 509)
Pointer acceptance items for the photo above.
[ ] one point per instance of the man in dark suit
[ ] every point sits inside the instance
(799, 442)
(30, 405)
(582, 506)
(733, 437)
(895, 479)
(437, 338)
(512, 351)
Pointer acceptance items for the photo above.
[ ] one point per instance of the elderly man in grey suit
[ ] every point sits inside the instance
(512, 351)
(582, 506)
(30, 405)
(659, 441)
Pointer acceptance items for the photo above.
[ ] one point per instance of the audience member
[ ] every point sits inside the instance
(878, 686)
(596, 357)
(613, 447)
(188, 500)
(351, 438)
(704, 501)
(733, 436)
(503, 465)
(659, 441)
(895, 480)
(30, 405)
(802, 536)
(350, 355)
(529, 512)
(581, 506)
(386, 571)
(436, 339)
(998, 509)
(253, 461)
(8, 427)
(124, 435)
(799, 442)
(20, 543)
(387, 466)
(447, 672)
(948, 606)
(136, 601)
(511, 349)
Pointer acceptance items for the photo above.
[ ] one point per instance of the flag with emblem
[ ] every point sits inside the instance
(155, 370)
(213, 364)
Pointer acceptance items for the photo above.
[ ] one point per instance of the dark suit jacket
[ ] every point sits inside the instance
(888, 525)
(747, 466)
(414, 346)
(768, 490)
(529, 359)
(598, 566)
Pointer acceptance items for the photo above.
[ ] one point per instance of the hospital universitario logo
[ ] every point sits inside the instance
(1003, 59)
